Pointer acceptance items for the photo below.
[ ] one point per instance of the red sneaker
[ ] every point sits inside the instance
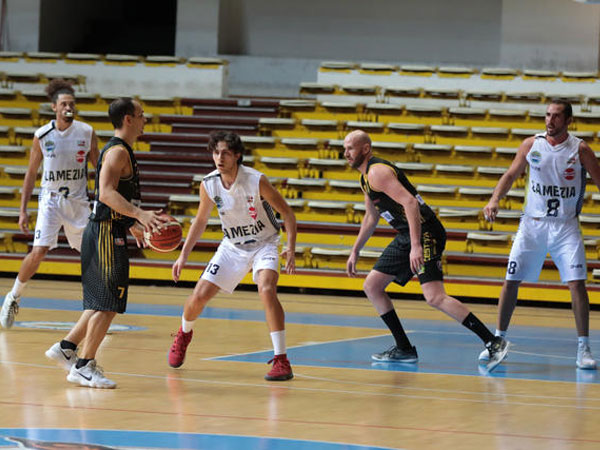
(177, 352)
(281, 371)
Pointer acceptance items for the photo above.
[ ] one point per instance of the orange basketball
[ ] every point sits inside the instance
(169, 237)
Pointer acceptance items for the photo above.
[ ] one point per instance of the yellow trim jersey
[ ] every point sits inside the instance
(389, 209)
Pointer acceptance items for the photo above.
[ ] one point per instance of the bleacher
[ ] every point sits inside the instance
(454, 144)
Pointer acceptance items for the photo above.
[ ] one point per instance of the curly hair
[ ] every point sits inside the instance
(59, 86)
(233, 141)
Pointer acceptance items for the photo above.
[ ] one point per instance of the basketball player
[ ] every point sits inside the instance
(416, 249)
(65, 145)
(557, 163)
(104, 258)
(244, 199)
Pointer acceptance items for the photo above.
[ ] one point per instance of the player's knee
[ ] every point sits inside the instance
(435, 299)
(267, 290)
(38, 253)
(372, 288)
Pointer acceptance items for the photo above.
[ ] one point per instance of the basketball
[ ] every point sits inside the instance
(169, 237)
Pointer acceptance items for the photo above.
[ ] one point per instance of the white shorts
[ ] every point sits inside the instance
(231, 263)
(54, 211)
(537, 237)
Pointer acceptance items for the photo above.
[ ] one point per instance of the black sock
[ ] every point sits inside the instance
(391, 320)
(477, 327)
(67, 345)
(81, 362)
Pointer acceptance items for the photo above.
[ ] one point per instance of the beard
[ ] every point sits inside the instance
(358, 161)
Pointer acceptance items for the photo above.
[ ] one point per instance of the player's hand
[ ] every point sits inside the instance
(24, 222)
(417, 262)
(351, 264)
(290, 260)
(490, 211)
(152, 220)
(177, 266)
(138, 233)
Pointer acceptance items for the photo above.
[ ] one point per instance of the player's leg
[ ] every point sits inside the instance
(568, 253)
(65, 352)
(45, 237)
(224, 271)
(29, 266)
(374, 287)
(436, 296)
(85, 371)
(266, 279)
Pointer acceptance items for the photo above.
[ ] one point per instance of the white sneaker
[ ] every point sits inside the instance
(484, 356)
(64, 357)
(585, 360)
(90, 375)
(10, 308)
(498, 349)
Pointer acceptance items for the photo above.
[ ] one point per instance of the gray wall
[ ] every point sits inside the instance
(463, 31)
(23, 25)
(197, 28)
(550, 34)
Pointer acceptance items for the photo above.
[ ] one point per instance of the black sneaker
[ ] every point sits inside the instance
(498, 349)
(394, 354)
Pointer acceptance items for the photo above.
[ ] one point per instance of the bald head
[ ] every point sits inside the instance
(357, 148)
(358, 137)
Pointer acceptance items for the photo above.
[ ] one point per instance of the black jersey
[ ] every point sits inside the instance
(389, 209)
(129, 188)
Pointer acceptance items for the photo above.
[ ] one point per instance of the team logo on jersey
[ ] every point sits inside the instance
(571, 161)
(251, 208)
(218, 201)
(536, 157)
(49, 146)
(80, 157)
(569, 173)
(120, 242)
(81, 143)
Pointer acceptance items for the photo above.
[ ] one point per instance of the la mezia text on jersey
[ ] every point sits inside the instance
(64, 174)
(553, 191)
(251, 229)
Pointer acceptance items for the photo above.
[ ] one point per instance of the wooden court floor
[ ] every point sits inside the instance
(219, 399)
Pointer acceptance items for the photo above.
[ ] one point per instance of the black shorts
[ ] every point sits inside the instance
(104, 266)
(395, 259)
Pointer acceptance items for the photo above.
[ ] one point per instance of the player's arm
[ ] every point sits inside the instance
(367, 227)
(35, 159)
(116, 164)
(196, 230)
(274, 198)
(515, 170)
(589, 162)
(382, 178)
(93, 153)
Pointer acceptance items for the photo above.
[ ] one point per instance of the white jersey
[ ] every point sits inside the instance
(556, 179)
(65, 158)
(245, 217)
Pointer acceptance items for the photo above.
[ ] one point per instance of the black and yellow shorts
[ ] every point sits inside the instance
(104, 266)
(395, 259)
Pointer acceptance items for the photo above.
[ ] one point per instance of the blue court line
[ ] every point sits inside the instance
(445, 347)
(73, 439)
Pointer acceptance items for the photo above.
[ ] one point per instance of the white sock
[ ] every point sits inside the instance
(187, 325)
(502, 334)
(278, 338)
(583, 340)
(18, 288)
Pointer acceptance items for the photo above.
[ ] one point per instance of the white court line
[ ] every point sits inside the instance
(350, 392)
(311, 344)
